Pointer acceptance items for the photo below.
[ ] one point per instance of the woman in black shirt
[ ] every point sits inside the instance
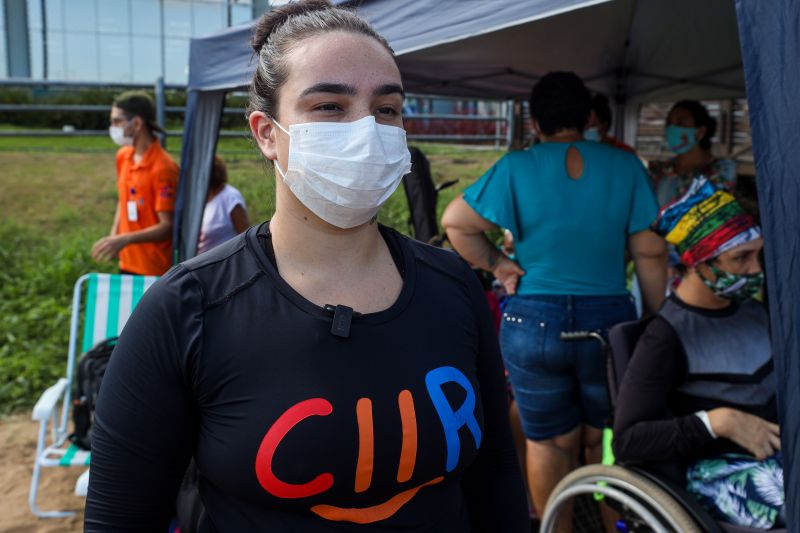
(325, 372)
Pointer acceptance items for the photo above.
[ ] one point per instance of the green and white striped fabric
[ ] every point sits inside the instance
(75, 456)
(110, 299)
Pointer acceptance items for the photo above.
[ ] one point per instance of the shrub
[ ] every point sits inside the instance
(35, 296)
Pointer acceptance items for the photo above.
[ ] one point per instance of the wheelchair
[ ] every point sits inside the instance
(624, 498)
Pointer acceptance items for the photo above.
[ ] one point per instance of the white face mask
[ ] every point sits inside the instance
(117, 134)
(344, 171)
(592, 134)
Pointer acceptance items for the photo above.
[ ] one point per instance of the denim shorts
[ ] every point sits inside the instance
(559, 385)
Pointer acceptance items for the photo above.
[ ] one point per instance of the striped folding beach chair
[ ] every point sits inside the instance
(108, 300)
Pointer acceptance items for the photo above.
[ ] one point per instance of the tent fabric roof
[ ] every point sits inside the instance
(634, 49)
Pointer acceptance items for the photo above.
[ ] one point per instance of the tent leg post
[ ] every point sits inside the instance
(161, 104)
(509, 124)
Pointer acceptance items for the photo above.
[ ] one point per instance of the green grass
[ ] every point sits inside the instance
(101, 144)
(58, 197)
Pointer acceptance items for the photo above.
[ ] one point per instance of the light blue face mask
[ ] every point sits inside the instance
(592, 134)
(679, 139)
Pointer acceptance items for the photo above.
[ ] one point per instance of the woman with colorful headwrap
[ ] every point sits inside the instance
(697, 403)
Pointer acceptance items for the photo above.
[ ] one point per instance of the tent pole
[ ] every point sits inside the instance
(498, 112)
(509, 124)
(161, 104)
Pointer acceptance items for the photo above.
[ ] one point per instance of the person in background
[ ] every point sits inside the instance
(600, 124)
(225, 214)
(147, 181)
(688, 132)
(697, 403)
(572, 207)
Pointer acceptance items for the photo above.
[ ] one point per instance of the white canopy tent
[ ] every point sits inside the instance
(637, 49)
(633, 50)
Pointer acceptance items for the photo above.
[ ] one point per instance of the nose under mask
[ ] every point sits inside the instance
(344, 171)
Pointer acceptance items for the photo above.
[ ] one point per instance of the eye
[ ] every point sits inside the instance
(328, 107)
(387, 111)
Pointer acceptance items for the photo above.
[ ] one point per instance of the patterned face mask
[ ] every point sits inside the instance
(737, 287)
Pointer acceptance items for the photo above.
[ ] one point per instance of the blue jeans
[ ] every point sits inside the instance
(559, 385)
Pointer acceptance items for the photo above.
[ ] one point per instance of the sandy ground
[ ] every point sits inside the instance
(56, 491)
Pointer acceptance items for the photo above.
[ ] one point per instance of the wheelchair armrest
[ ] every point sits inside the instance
(46, 405)
(692, 506)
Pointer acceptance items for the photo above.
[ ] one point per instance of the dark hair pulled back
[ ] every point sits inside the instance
(560, 101)
(219, 174)
(282, 28)
(701, 119)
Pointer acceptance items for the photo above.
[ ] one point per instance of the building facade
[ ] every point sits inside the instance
(110, 41)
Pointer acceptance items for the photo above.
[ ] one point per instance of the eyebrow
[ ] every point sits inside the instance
(389, 88)
(341, 88)
(335, 88)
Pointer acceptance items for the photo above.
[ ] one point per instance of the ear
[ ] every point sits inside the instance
(138, 124)
(536, 128)
(700, 132)
(264, 132)
(704, 270)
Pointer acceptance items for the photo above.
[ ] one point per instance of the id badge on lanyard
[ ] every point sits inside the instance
(133, 214)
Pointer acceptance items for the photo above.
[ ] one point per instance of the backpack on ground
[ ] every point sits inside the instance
(91, 368)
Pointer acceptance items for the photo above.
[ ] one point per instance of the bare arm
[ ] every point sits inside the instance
(115, 224)
(239, 218)
(162, 231)
(108, 248)
(756, 435)
(466, 230)
(649, 252)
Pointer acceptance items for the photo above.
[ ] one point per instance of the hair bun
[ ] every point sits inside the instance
(274, 19)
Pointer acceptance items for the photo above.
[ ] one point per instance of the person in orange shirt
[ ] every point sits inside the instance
(147, 180)
(600, 123)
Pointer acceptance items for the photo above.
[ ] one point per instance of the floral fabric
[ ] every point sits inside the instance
(669, 184)
(740, 489)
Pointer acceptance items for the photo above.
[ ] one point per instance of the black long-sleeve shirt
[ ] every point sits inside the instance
(654, 423)
(401, 426)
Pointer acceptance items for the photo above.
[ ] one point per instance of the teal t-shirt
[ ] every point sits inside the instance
(570, 234)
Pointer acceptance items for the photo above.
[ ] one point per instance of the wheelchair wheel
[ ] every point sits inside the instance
(634, 503)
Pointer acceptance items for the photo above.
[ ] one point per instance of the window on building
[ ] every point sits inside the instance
(56, 70)
(146, 59)
(80, 16)
(36, 51)
(81, 56)
(208, 18)
(34, 14)
(55, 15)
(176, 65)
(114, 16)
(177, 18)
(145, 17)
(115, 58)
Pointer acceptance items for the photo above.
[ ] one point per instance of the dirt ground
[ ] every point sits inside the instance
(56, 491)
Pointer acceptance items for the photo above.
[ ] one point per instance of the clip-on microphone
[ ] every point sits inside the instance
(342, 317)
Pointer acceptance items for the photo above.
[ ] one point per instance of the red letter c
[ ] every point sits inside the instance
(289, 419)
